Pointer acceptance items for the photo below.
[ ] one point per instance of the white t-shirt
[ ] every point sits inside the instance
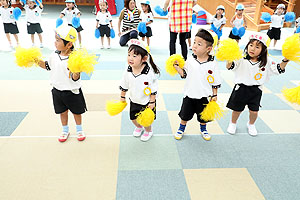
(218, 22)
(201, 78)
(7, 14)
(298, 22)
(249, 73)
(238, 23)
(277, 21)
(146, 17)
(60, 75)
(70, 14)
(137, 84)
(33, 15)
(104, 18)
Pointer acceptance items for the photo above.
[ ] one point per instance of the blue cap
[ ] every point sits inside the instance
(70, 1)
(240, 7)
(145, 2)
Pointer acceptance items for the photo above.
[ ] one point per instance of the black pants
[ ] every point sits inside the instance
(125, 38)
(182, 42)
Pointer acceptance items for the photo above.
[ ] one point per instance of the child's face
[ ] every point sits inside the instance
(239, 12)
(131, 5)
(280, 11)
(31, 4)
(4, 3)
(59, 44)
(254, 49)
(200, 47)
(70, 5)
(145, 8)
(220, 12)
(103, 6)
(135, 61)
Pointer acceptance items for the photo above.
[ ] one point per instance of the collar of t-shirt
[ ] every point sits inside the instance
(60, 56)
(145, 70)
(210, 58)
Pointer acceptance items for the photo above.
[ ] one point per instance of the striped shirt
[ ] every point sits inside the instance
(181, 16)
(130, 19)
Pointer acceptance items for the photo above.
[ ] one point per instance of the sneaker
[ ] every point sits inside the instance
(146, 136)
(101, 47)
(251, 129)
(138, 132)
(41, 46)
(231, 128)
(63, 137)
(206, 136)
(108, 47)
(80, 136)
(179, 134)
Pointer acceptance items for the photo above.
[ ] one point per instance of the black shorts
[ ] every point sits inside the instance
(191, 106)
(104, 30)
(243, 95)
(11, 28)
(189, 35)
(67, 100)
(77, 29)
(33, 28)
(274, 33)
(148, 34)
(136, 108)
(235, 37)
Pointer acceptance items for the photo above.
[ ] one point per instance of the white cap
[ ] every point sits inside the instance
(221, 7)
(139, 43)
(145, 2)
(261, 37)
(240, 7)
(281, 6)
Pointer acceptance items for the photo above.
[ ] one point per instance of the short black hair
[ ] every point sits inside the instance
(263, 56)
(205, 35)
(66, 42)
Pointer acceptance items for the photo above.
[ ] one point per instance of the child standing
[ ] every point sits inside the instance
(276, 23)
(66, 93)
(219, 21)
(140, 79)
(251, 72)
(70, 12)
(9, 22)
(33, 14)
(146, 16)
(202, 82)
(104, 19)
(238, 21)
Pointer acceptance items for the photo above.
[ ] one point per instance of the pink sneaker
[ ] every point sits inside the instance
(146, 136)
(138, 132)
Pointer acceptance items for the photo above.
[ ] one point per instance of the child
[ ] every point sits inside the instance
(146, 16)
(71, 11)
(33, 14)
(202, 81)
(251, 72)
(9, 22)
(67, 94)
(238, 21)
(219, 20)
(104, 19)
(297, 25)
(141, 80)
(276, 23)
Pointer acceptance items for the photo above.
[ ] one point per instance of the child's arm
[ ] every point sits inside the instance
(231, 21)
(180, 71)
(284, 63)
(40, 4)
(245, 22)
(111, 25)
(167, 2)
(78, 14)
(221, 26)
(228, 65)
(97, 23)
(147, 23)
(214, 96)
(42, 64)
(151, 104)
(75, 76)
(61, 15)
(123, 96)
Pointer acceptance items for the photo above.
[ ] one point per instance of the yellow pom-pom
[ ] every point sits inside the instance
(291, 48)
(27, 57)
(170, 62)
(212, 111)
(145, 118)
(115, 107)
(229, 50)
(81, 61)
(292, 94)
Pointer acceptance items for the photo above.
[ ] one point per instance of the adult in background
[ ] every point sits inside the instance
(130, 16)
(180, 21)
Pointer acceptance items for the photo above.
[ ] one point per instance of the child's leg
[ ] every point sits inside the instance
(252, 116)
(275, 41)
(143, 38)
(190, 42)
(78, 121)
(138, 130)
(64, 118)
(79, 37)
(108, 41)
(102, 41)
(64, 121)
(148, 41)
(8, 38)
(206, 136)
(40, 37)
(235, 116)
(32, 38)
(17, 39)
(136, 124)
(179, 134)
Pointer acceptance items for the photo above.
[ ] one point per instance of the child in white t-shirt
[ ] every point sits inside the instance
(146, 16)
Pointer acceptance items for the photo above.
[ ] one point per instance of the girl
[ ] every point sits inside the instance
(104, 19)
(146, 16)
(9, 22)
(219, 21)
(238, 21)
(276, 23)
(141, 80)
(71, 11)
(33, 14)
(251, 72)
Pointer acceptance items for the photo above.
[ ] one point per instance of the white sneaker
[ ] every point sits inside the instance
(179, 134)
(206, 136)
(101, 47)
(231, 128)
(146, 136)
(251, 129)
(41, 46)
(108, 47)
(138, 132)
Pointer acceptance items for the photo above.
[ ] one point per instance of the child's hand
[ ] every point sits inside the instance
(214, 98)
(151, 106)
(119, 34)
(123, 99)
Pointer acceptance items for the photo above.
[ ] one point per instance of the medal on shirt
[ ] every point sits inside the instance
(258, 76)
(147, 90)
(210, 78)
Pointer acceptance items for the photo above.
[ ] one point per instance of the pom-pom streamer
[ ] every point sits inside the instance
(112, 33)
(242, 31)
(289, 17)
(194, 18)
(27, 57)
(235, 31)
(171, 61)
(160, 11)
(97, 33)
(212, 111)
(59, 22)
(266, 17)
(298, 30)
(291, 48)
(76, 22)
(17, 13)
(115, 107)
(142, 27)
(81, 61)
(145, 118)
(229, 50)
(292, 94)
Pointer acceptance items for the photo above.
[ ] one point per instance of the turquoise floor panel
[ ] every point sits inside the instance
(9, 121)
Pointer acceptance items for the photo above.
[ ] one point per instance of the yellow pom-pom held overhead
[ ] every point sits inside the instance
(229, 50)
(291, 48)
(171, 61)
(27, 57)
(212, 111)
(81, 61)
(145, 118)
(292, 94)
(115, 107)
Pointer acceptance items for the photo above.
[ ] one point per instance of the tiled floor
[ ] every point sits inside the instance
(111, 164)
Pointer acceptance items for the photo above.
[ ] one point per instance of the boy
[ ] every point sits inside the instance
(202, 81)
